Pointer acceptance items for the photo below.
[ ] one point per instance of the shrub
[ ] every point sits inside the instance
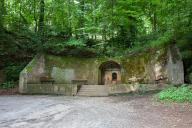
(177, 94)
(12, 71)
(59, 46)
(8, 84)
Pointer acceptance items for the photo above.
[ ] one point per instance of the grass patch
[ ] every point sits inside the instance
(176, 94)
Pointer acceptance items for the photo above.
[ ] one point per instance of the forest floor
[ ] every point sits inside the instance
(92, 112)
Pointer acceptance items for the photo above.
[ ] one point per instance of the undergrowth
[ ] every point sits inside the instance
(176, 94)
(7, 85)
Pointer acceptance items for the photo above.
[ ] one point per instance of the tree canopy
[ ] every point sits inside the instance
(93, 27)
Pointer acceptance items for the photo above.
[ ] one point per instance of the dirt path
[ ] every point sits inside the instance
(83, 112)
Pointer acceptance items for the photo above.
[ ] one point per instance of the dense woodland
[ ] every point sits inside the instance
(91, 28)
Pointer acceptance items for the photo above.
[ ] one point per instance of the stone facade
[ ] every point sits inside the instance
(156, 66)
(175, 67)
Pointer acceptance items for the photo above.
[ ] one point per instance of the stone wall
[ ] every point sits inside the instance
(127, 88)
(66, 69)
(163, 65)
(175, 67)
(32, 72)
(58, 89)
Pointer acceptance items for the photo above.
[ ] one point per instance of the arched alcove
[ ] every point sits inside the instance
(109, 73)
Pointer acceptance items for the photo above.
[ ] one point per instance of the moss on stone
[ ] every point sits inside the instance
(88, 68)
(131, 65)
(31, 65)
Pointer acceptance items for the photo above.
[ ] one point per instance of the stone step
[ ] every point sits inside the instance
(89, 89)
(95, 93)
(92, 94)
(93, 90)
(89, 92)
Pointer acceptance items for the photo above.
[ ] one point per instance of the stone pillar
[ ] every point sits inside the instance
(175, 68)
(22, 81)
(32, 72)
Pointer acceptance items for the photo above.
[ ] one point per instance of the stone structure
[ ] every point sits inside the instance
(120, 74)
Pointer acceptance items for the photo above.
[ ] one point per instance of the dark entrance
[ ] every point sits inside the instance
(114, 76)
(110, 73)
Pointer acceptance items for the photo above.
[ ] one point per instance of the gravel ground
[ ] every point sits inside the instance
(92, 112)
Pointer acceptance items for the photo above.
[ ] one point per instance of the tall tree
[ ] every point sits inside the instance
(41, 19)
(2, 10)
(69, 17)
(82, 18)
(35, 15)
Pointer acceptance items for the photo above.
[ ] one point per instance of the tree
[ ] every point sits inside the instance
(35, 15)
(41, 20)
(2, 10)
(104, 26)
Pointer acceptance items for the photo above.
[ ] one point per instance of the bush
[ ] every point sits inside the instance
(8, 84)
(60, 46)
(177, 94)
(12, 71)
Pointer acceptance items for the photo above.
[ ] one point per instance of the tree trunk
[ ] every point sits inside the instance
(112, 19)
(20, 15)
(1, 14)
(81, 19)
(41, 19)
(95, 18)
(69, 17)
(154, 22)
(112, 14)
(34, 15)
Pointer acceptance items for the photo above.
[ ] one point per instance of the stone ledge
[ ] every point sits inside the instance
(58, 89)
(126, 88)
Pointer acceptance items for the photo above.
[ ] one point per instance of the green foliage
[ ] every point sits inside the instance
(55, 46)
(177, 94)
(89, 27)
(58, 46)
(8, 84)
(12, 71)
(162, 40)
(75, 42)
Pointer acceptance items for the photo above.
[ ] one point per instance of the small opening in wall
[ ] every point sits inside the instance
(109, 71)
(114, 76)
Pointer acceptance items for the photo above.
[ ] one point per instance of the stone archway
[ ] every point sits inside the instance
(110, 73)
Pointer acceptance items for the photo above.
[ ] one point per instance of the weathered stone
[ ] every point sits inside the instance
(32, 72)
(93, 90)
(59, 89)
(162, 66)
(175, 69)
